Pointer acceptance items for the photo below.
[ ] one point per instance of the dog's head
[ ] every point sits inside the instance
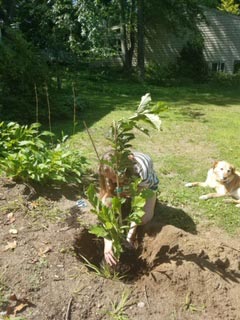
(224, 171)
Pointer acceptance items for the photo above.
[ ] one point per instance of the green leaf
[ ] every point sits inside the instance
(136, 216)
(108, 225)
(138, 202)
(147, 193)
(154, 120)
(145, 100)
(159, 107)
(26, 142)
(99, 231)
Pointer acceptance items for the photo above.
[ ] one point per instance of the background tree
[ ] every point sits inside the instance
(140, 31)
(21, 66)
(230, 6)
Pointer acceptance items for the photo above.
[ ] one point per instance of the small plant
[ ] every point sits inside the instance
(103, 271)
(26, 155)
(111, 225)
(118, 311)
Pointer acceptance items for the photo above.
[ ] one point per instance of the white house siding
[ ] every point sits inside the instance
(221, 36)
(162, 46)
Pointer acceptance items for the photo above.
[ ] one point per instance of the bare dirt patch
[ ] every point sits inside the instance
(173, 274)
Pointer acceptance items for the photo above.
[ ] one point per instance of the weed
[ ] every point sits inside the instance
(104, 270)
(13, 206)
(189, 306)
(118, 311)
(45, 209)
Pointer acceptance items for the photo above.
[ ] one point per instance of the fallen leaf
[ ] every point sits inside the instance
(19, 308)
(32, 205)
(10, 246)
(10, 218)
(17, 305)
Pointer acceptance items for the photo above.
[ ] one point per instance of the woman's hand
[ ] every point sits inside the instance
(108, 253)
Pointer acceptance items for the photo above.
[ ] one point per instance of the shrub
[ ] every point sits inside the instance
(191, 63)
(25, 155)
(226, 79)
(160, 75)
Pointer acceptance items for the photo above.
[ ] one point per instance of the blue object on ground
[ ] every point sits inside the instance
(81, 203)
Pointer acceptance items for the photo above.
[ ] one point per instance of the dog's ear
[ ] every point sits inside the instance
(233, 169)
(215, 164)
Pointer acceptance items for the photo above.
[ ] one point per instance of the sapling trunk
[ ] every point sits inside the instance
(117, 167)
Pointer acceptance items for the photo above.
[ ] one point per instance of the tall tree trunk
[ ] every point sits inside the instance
(140, 39)
(132, 36)
(123, 36)
(127, 37)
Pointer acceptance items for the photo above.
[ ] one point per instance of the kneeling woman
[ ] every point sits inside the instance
(141, 166)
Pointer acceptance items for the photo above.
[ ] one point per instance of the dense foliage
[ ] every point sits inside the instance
(191, 63)
(41, 36)
(21, 67)
(26, 155)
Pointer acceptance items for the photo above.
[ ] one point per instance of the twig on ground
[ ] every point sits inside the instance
(227, 246)
(68, 313)
(146, 296)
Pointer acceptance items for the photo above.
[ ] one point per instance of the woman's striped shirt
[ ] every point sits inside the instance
(144, 168)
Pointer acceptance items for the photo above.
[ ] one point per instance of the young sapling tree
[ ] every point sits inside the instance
(120, 135)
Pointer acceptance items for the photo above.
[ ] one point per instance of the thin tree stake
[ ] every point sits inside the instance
(74, 107)
(95, 149)
(49, 110)
(36, 99)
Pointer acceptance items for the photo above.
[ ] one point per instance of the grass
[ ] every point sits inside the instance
(104, 271)
(118, 308)
(200, 125)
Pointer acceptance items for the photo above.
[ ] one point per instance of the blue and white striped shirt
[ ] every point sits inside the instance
(144, 168)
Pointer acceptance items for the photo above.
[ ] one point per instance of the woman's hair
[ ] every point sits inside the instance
(107, 174)
(107, 186)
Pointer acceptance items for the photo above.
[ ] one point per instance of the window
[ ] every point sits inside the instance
(218, 66)
(236, 66)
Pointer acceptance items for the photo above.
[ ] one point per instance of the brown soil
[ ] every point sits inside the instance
(174, 274)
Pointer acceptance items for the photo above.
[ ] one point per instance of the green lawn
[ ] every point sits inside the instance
(201, 124)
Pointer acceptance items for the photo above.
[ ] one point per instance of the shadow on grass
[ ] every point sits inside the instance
(104, 95)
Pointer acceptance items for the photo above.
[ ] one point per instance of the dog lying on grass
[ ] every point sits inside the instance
(224, 179)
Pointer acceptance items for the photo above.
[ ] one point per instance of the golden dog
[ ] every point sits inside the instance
(224, 179)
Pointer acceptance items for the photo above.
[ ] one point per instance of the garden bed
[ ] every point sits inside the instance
(173, 274)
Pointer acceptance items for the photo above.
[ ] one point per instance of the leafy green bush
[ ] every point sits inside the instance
(191, 63)
(160, 75)
(226, 79)
(25, 155)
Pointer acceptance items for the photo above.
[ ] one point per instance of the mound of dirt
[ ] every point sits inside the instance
(173, 274)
